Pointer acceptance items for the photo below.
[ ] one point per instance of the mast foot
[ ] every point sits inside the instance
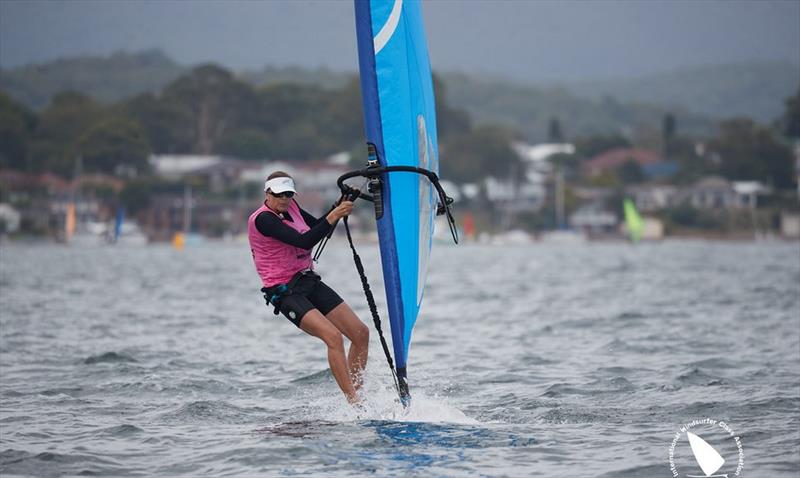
(402, 384)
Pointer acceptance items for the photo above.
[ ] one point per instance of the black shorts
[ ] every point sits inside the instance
(309, 293)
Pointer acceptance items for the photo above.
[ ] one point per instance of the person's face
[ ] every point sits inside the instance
(279, 202)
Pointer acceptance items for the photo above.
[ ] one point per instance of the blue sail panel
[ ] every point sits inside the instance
(118, 221)
(400, 119)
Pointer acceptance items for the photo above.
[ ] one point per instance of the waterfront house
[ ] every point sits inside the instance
(714, 192)
(653, 197)
(609, 161)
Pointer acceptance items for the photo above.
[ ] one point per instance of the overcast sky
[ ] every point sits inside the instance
(529, 40)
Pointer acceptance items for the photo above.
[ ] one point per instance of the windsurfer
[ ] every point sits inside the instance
(281, 238)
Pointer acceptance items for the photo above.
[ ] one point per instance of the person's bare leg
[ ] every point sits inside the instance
(343, 317)
(314, 323)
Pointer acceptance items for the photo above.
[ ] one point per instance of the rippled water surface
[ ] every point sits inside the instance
(542, 360)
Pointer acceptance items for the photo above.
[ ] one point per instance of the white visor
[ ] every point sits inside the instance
(279, 185)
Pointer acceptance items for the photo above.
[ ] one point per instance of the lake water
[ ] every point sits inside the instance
(539, 360)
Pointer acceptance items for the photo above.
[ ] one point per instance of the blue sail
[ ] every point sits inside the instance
(120, 218)
(400, 120)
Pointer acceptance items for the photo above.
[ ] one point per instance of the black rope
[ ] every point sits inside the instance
(324, 242)
(373, 173)
(373, 308)
(351, 194)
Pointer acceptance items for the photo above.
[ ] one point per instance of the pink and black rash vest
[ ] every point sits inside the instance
(281, 244)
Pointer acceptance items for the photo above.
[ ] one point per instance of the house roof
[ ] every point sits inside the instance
(21, 179)
(617, 157)
(179, 165)
(750, 187)
(100, 180)
(542, 151)
(713, 182)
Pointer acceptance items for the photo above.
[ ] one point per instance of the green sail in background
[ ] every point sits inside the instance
(633, 221)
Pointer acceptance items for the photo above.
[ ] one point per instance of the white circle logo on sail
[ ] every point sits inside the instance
(706, 451)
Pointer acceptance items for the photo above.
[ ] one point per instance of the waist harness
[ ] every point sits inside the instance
(275, 294)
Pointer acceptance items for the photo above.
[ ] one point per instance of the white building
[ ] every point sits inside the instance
(177, 166)
(527, 190)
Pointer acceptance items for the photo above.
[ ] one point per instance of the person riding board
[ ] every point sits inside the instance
(281, 237)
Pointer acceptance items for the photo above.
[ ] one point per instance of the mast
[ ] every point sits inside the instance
(187, 208)
(71, 220)
(559, 193)
(400, 124)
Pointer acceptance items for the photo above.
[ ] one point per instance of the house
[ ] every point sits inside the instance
(537, 159)
(213, 217)
(19, 183)
(178, 166)
(527, 190)
(216, 216)
(748, 192)
(316, 180)
(714, 192)
(32, 196)
(653, 197)
(257, 172)
(652, 163)
(224, 174)
(220, 172)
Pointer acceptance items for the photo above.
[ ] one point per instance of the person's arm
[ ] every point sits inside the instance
(340, 210)
(271, 225)
(309, 219)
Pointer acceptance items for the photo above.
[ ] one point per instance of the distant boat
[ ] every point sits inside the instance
(185, 237)
(69, 222)
(118, 222)
(469, 226)
(707, 457)
(563, 234)
(71, 219)
(179, 241)
(633, 221)
(126, 232)
(131, 235)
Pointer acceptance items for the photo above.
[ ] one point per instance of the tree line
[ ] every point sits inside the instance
(208, 110)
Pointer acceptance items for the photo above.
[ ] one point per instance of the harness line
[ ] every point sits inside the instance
(373, 308)
(373, 173)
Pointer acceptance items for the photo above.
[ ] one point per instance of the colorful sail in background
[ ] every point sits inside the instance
(118, 221)
(400, 120)
(633, 221)
(70, 222)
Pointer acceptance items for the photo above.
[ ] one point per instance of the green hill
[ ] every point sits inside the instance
(529, 109)
(104, 78)
(755, 90)
(696, 96)
(123, 75)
